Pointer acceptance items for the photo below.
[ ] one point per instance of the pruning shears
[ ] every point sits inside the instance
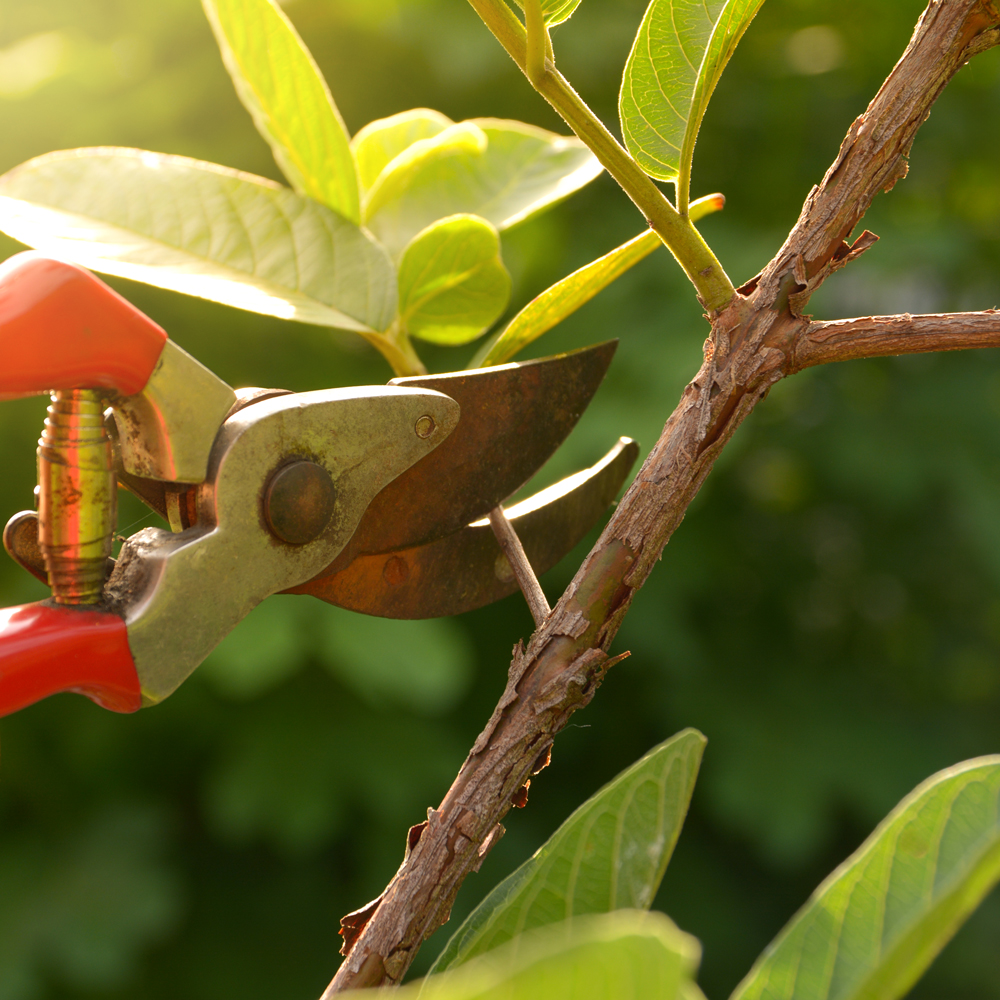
(372, 498)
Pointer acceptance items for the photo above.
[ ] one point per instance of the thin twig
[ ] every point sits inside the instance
(523, 573)
(755, 342)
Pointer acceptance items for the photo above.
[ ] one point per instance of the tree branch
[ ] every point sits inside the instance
(760, 337)
(881, 336)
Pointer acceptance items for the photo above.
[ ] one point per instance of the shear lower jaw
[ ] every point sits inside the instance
(180, 594)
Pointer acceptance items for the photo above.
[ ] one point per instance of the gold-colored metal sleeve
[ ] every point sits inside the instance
(78, 496)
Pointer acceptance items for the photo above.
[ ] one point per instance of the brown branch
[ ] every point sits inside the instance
(758, 339)
(983, 41)
(881, 336)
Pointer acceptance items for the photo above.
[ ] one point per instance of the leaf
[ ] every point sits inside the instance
(627, 955)
(452, 283)
(610, 854)
(563, 298)
(203, 230)
(566, 296)
(502, 171)
(872, 928)
(281, 86)
(380, 142)
(676, 60)
(555, 11)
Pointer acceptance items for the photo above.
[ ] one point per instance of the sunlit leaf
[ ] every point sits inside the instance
(380, 142)
(452, 283)
(281, 86)
(872, 928)
(503, 171)
(676, 60)
(564, 297)
(555, 11)
(201, 229)
(626, 955)
(609, 855)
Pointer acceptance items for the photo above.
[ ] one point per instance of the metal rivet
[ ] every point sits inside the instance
(424, 426)
(395, 571)
(299, 502)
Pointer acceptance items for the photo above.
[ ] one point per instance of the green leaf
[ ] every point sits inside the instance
(564, 297)
(555, 11)
(627, 955)
(676, 60)
(503, 171)
(452, 283)
(872, 928)
(281, 86)
(203, 230)
(609, 855)
(380, 142)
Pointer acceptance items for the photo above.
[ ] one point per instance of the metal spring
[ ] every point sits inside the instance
(78, 496)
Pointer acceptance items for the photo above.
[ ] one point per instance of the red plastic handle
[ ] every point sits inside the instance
(63, 328)
(45, 649)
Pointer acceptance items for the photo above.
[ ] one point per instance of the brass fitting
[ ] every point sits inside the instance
(78, 496)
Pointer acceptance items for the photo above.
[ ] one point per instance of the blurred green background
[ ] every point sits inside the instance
(828, 614)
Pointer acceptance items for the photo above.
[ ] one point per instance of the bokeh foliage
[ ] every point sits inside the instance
(828, 614)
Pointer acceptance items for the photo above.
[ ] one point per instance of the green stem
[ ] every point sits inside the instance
(397, 348)
(534, 66)
(683, 187)
(714, 288)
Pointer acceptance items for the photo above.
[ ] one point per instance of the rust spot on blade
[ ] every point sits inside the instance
(467, 569)
(513, 418)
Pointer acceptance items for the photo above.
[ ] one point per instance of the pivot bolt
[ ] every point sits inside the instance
(424, 426)
(299, 502)
(77, 496)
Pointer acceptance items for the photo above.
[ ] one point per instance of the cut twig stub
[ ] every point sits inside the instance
(615, 660)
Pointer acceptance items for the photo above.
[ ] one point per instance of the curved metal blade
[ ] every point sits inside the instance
(467, 569)
(514, 417)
